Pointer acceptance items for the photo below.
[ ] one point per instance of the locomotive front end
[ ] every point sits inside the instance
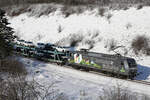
(132, 67)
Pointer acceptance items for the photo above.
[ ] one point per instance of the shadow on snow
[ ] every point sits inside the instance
(144, 72)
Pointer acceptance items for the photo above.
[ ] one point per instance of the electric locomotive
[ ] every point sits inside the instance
(112, 64)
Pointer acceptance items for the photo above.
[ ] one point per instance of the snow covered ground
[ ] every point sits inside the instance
(72, 82)
(93, 30)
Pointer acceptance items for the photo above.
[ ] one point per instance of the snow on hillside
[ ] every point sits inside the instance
(91, 29)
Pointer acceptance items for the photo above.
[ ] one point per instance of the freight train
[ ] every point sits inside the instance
(115, 65)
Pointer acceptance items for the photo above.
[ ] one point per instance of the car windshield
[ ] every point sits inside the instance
(21, 40)
(29, 42)
(40, 44)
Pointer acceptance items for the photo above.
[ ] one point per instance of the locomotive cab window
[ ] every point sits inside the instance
(131, 63)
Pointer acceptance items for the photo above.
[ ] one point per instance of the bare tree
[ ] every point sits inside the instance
(14, 84)
(18, 88)
(117, 93)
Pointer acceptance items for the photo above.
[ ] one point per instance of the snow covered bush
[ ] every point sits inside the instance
(79, 10)
(60, 29)
(128, 25)
(12, 66)
(101, 11)
(95, 34)
(108, 16)
(75, 39)
(121, 94)
(18, 88)
(71, 40)
(141, 44)
(111, 44)
(139, 7)
(15, 10)
(67, 10)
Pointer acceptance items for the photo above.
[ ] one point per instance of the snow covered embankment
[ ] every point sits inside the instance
(72, 82)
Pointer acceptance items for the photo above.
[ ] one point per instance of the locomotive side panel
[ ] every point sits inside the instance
(99, 63)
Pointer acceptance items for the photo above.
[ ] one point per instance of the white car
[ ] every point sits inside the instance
(21, 42)
(28, 43)
(40, 45)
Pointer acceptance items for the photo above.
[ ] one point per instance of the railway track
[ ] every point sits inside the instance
(135, 81)
(102, 74)
(140, 81)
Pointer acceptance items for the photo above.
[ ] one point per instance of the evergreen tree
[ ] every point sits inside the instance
(6, 36)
